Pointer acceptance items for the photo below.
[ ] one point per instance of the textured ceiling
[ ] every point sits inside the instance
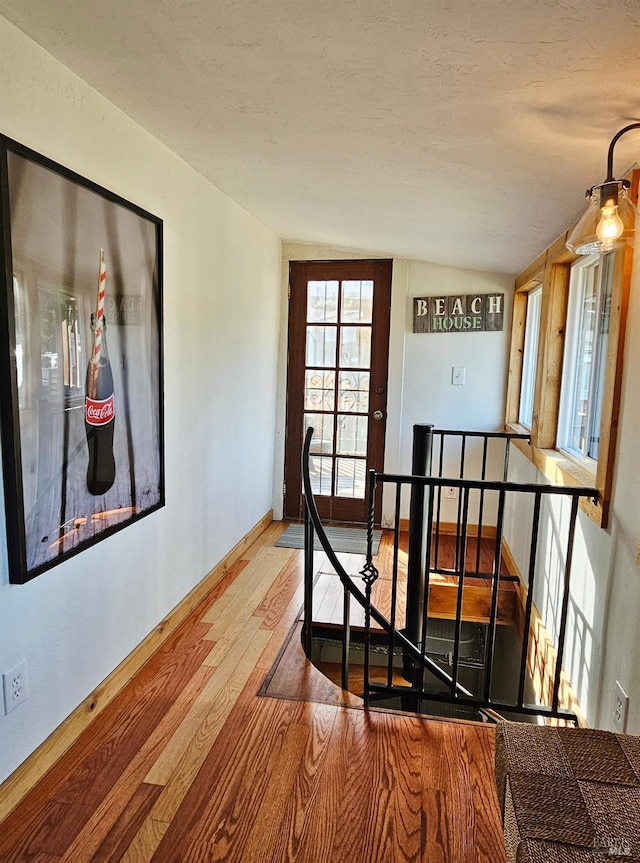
(457, 132)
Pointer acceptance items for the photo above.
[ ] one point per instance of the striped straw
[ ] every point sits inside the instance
(102, 282)
(97, 336)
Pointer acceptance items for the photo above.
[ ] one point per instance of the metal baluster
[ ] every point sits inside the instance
(369, 575)
(565, 603)
(483, 476)
(461, 574)
(436, 555)
(497, 563)
(425, 602)
(309, 538)
(457, 564)
(415, 575)
(346, 637)
(394, 583)
(533, 552)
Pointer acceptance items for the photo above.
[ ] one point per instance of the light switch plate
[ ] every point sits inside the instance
(457, 376)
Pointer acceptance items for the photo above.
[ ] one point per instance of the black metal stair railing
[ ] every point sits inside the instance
(408, 644)
(462, 454)
(314, 527)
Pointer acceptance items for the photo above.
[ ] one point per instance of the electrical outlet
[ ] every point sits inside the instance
(620, 709)
(14, 686)
(450, 492)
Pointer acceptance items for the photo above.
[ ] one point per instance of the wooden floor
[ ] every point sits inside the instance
(443, 593)
(189, 765)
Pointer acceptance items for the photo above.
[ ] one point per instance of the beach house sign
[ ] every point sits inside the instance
(470, 313)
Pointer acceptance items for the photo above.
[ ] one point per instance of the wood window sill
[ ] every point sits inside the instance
(559, 469)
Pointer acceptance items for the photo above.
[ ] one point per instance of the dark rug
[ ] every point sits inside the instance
(346, 540)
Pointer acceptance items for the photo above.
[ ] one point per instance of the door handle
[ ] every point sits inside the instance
(378, 415)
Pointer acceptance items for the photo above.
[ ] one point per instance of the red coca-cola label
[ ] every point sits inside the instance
(99, 412)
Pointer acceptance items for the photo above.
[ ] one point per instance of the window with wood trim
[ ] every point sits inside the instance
(585, 356)
(530, 356)
(577, 377)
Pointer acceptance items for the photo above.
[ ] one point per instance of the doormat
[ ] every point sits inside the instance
(345, 540)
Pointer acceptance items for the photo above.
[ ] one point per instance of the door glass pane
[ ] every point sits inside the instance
(352, 435)
(350, 480)
(321, 346)
(355, 347)
(321, 474)
(322, 302)
(353, 392)
(319, 388)
(322, 425)
(357, 302)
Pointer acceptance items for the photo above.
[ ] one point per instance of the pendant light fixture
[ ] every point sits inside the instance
(609, 220)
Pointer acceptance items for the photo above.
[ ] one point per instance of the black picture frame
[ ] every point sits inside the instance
(60, 234)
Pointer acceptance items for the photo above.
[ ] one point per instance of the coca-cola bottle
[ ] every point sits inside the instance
(99, 414)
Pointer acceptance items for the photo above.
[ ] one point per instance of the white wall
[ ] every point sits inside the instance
(588, 584)
(428, 395)
(603, 632)
(77, 622)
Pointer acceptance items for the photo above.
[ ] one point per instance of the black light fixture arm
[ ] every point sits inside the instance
(614, 141)
(609, 221)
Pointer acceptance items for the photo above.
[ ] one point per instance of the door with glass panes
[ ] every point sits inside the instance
(337, 383)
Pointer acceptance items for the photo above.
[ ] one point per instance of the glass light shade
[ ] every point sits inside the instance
(605, 225)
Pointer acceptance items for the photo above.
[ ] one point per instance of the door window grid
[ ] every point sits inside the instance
(339, 447)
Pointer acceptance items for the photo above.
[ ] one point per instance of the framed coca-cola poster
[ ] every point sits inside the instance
(81, 361)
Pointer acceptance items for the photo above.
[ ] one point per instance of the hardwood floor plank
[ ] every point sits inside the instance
(222, 594)
(280, 593)
(187, 765)
(268, 833)
(119, 837)
(189, 745)
(252, 584)
(118, 799)
(459, 796)
(298, 807)
(434, 765)
(224, 586)
(35, 839)
(489, 839)
(146, 840)
(436, 827)
(356, 815)
(398, 775)
(267, 538)
(183, 774)
(218, 810)
(281, 630)
(241, 630)
(94, 763)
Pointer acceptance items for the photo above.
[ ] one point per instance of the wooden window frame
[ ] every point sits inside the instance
(552, 269)
(535, 288)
